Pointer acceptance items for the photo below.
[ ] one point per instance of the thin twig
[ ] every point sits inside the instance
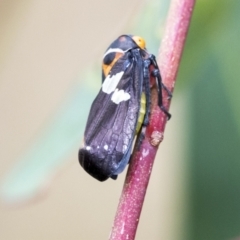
(135, 186)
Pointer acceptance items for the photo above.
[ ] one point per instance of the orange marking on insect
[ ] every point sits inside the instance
(107, 68)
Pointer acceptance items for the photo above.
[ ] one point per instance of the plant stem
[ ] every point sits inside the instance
(135, 186)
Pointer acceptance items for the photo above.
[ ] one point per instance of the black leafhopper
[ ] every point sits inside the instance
(121, 109)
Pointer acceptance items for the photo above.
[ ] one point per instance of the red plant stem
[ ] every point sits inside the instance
(135, 186)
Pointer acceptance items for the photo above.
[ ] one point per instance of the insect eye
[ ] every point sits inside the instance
(139, 41)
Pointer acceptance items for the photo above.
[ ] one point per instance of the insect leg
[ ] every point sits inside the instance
(146, 89)
(160, 85)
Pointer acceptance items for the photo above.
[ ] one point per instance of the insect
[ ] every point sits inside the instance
(121, 109)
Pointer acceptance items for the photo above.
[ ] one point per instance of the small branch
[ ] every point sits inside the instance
(135, 186)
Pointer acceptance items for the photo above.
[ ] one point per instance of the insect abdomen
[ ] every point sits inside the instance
(142, 112)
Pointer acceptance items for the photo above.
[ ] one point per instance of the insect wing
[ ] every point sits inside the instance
(112, 120)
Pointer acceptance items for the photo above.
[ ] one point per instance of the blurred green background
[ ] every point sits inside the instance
(212, 64)
(50, 55)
